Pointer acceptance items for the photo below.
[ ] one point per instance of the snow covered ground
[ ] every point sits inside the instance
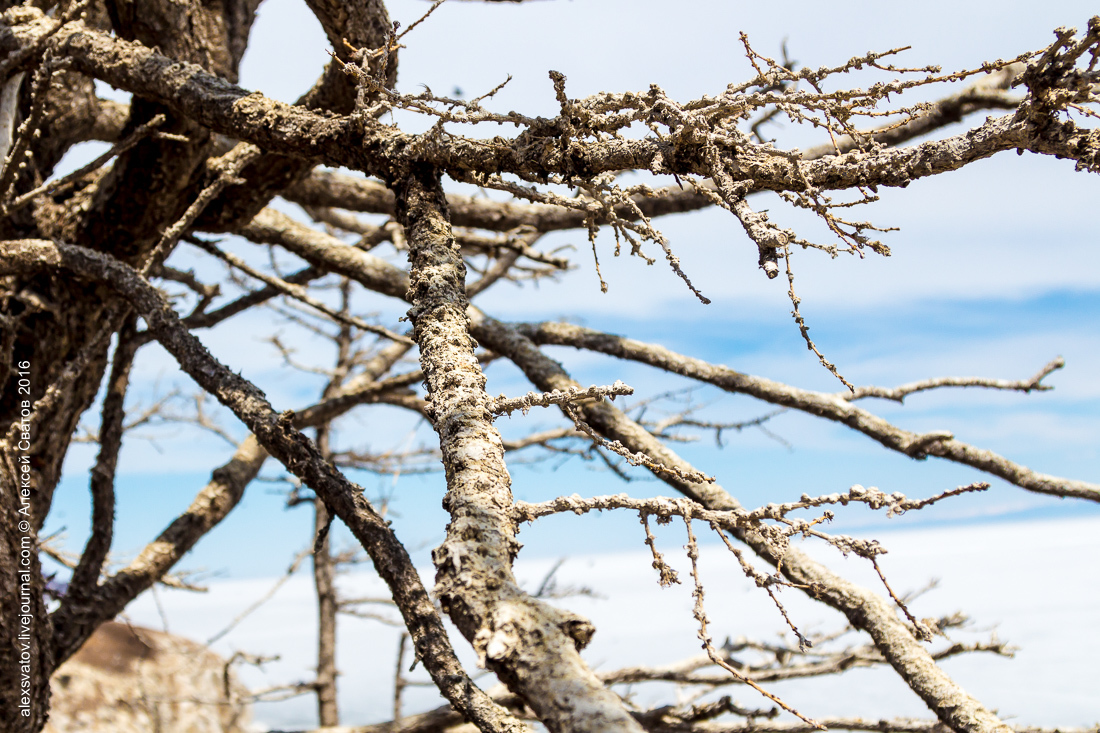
(1037, 584)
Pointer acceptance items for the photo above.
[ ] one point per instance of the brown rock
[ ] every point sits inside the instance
(127, 679)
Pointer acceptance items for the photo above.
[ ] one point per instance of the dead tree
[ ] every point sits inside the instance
(86, 262)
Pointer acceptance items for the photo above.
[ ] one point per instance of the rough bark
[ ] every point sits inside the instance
(124, 212)
(837, 408)
(533, 647)
(55, 323)
(903, 651)
(180, 58)
(24, 678)
(361, 23)
(538, 152)
(278, 436)
(863, 609)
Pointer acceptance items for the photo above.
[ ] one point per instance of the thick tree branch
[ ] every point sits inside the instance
(837, 408)
(278, 436)
(533, 647)
(864, 610)
(542, 150)
(328, 252)
(364, 23)
(330, 188)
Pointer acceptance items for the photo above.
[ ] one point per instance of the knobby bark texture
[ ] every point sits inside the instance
(898, 642)
(279, 437)
(533, 647)
(864, 609)
(831, 407)
(197, 153)
(347, 142)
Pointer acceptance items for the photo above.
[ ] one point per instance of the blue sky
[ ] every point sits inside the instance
(995, 271)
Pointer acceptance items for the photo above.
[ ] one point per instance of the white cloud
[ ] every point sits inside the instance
(1010, 575)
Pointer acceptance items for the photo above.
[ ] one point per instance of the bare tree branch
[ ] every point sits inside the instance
(830, 407)
(533, 647)
(864, 609)
(298, 454)
(83, 258)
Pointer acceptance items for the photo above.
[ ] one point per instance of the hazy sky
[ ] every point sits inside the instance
(1025, 593)
(995, 271)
